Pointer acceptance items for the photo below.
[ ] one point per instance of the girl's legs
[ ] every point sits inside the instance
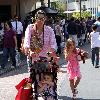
(77, 82)
(72, 85)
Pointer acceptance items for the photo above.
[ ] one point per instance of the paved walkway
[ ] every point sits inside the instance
(89, 87)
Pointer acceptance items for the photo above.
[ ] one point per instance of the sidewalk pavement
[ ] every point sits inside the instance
(8, 66)
(89, 87)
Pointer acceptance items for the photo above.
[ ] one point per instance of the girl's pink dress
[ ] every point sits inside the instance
(73, 68)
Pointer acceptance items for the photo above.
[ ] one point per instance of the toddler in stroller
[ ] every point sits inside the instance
(44, 79)
(42, 83)
(46, 87)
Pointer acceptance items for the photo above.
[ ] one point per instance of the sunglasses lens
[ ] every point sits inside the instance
(42, 19)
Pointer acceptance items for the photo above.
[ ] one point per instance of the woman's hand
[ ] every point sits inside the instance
(26, 51)
(32, 54)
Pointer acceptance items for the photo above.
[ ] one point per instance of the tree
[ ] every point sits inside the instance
(84, 14)
(59, 6)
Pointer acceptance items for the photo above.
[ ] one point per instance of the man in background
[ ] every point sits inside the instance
(18, 27)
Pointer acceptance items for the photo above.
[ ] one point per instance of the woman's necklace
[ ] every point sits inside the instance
(39, 31)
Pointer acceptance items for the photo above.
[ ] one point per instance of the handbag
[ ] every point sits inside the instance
(24, 90)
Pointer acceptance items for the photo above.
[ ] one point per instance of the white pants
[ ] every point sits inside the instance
(74, 37)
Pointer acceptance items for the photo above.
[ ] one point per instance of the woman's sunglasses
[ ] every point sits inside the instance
(40, 18)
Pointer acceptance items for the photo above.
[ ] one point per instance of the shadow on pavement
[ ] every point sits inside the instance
(64, 98)
(8, 71)
(68, 98)
(11, 72)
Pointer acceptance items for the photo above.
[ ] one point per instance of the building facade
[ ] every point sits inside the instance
(9, 8)
(89, 5)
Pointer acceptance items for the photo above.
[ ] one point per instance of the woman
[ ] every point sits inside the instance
(58, 36)
(9, 45)
(44, 34)
(39, 40)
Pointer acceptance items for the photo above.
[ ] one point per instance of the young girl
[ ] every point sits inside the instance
(73, 68)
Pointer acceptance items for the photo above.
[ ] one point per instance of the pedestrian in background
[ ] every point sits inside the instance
(58, 36)
(98, 24)
(95, 44)
(79, 35)
(9, 45)
(73, 67)
(72, 30)
(18, 28)
(83, 30)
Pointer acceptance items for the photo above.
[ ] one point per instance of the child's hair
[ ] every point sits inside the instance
(48, 74)
(68, 43)
(94, 27)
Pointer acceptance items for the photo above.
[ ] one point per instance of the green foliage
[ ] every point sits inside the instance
(84, 14)
(60, 6)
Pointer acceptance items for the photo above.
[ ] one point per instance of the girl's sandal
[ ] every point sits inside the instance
(75, 91)
(74, 97)
(74, 94)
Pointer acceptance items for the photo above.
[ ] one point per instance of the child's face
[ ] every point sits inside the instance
(47, 78)
(71, 46)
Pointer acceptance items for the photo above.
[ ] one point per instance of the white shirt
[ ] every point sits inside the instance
(58, 30)
(63, 22)
(98, 24)
(95, 39)
(19, 27)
